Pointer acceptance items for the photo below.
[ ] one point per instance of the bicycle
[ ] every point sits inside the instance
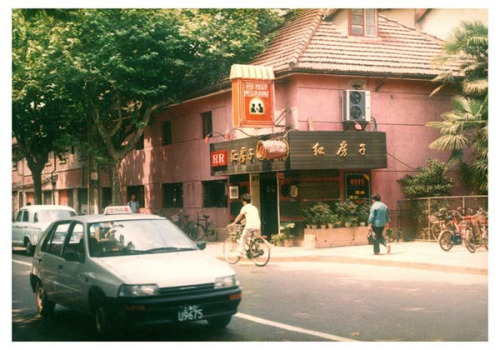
(206, 229)
(479, 224)
(187, 226)
(455, 231)
(257, 249)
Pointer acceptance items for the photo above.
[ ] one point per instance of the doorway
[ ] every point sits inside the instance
(269, 205)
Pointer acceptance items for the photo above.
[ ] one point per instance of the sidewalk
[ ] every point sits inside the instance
(418, 255)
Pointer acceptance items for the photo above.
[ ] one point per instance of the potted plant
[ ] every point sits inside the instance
(332, 220)
(278, 239)
(320, 213)
(308, 217)
(364, 213)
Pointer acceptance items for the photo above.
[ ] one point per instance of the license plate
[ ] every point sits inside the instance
(189, 313)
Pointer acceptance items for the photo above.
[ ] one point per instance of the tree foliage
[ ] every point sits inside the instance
(431, 181)
(44, 116)
(123, 65)
(464, 129)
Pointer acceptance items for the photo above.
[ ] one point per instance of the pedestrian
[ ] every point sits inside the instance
(133, 204)
(29, 203)
(378, 221)
(252, 220)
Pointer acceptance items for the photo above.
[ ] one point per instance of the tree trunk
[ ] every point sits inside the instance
(36, 173)
(116, 198)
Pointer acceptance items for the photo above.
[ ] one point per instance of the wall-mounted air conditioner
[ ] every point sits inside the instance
(356, 105)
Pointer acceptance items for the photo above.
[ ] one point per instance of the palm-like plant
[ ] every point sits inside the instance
(465, 127)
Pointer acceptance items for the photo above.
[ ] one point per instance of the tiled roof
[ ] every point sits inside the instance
(313, 44)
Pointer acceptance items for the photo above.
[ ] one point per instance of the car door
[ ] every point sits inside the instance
(71, 278)
(19, 226)
(50, 260)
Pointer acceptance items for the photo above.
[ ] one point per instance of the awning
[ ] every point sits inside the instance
(251, 72)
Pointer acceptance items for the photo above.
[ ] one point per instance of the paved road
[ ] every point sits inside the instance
(305, 301)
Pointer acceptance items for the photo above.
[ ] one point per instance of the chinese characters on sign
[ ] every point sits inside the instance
(357, 186)
(342, 150)
(318, 150)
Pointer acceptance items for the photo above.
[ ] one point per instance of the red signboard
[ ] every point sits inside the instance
(253, 102)
(218, 158)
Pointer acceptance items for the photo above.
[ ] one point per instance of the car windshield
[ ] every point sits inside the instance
(52, 215)
(132, 237)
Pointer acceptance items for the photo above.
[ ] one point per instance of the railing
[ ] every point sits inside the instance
(417, 220)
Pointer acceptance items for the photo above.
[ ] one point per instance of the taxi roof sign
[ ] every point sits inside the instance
(113, 210)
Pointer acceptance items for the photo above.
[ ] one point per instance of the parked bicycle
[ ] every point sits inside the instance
(257, 249)
(479, 225)
(187, 226)
(454, 231)
(206, 229)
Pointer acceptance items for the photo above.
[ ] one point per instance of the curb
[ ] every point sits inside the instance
(389, 263)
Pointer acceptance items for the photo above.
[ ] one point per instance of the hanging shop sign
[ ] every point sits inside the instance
(253, 95)
(272, 149)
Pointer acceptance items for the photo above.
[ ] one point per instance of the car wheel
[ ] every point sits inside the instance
(44, 306)
(219, 322)
(30, 248)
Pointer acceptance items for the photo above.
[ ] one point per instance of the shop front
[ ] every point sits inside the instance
(288, 172)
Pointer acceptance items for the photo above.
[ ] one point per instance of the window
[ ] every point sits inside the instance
(215, 194)
(363, 22)
(139, 194)
(207, 123)
(23, 216)
(167, 132)
(54, 243)
(74, 245)
(173, 196)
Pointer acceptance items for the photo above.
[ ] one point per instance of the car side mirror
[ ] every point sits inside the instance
(201, 245)
(72, 256)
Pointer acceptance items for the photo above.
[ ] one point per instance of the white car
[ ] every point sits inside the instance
(32, 220)
(131, 269)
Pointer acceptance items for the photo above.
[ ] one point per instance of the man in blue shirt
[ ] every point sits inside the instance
(378, 221)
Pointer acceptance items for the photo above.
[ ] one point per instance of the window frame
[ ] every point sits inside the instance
(206, 124)
(223, 198)
(179, 200)
(167, 133)
(364, 25)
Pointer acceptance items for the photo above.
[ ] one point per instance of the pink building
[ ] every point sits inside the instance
(323, 60)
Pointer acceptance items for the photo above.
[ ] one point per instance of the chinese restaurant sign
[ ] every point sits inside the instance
(253, 96)
(300, 150)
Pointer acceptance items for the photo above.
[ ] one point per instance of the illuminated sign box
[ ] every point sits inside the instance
(253, 95)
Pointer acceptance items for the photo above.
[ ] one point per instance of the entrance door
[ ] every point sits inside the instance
(269, 205)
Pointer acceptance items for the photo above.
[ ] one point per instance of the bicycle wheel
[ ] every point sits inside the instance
(260, 251)
(484, 235)
(231, 250)
(192, 231)
(445, 240)
(467, 241)
(200, 231)
(211, 233)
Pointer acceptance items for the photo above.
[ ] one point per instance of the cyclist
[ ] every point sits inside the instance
(251, 221)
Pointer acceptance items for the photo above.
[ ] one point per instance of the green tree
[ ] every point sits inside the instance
(431, 181)
(464, 129)
(43, 115)
(127, 64)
